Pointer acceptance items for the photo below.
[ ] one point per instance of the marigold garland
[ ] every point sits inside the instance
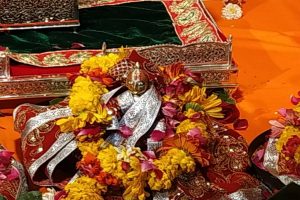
(297, 155)
(85, 103)
(286, 130)
(287, 133)
(84, 188)
(103, 62)
(172, 164)
(104, 165)
(92, 147)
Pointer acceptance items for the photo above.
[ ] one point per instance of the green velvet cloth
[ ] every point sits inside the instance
(131, 24)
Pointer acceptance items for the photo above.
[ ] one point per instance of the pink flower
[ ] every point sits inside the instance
(196, 136)
(125, 131)
(277, 128)
(147, 165)
(295, 100)
(171, 123)
(89, 131)
(169, 109)
(7, 172)
(5, 159)
(157, 136)
(282, 112)
(258, 157)
(149, 154)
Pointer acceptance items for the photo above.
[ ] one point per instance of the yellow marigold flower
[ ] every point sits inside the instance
(135, 184)
(297, 108)
(297, 155)
(172, 164)
(66, 124)
(85, 103)
(287, 133)
(76, 122)
(159, 184)
(85, 95)
(84, 188)
(90, 147)
(208, 105)
(196, 94)
(190, 113)
(109, 162)
(186, 125)
(104, 62)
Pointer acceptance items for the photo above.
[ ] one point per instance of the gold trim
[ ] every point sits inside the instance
(57, 86)
(215, 54)
(34, 87)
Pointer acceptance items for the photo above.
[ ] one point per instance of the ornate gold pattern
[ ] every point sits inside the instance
(210, 53)
(191, 22)
(91, 3)
(16, 14)
(230, 154)
(4, 64)
(196, 54)
(55, 59)
(34, 87)
(80, 56)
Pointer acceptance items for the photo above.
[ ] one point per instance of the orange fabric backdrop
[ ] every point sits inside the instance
(266, 45)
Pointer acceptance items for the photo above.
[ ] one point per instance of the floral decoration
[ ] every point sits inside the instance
(7, 172)
(187, 109)
(232, 11)
(286, 129)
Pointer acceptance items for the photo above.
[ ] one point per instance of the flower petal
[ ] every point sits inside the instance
(157, 135)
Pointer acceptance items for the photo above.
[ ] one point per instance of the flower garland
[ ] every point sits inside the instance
(186, 106)
(287, 131)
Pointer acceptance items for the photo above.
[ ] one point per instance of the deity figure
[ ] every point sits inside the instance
(46, 150)
(130, 132)
(139, 107)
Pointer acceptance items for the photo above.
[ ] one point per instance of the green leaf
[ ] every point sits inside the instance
(2, 197)
(224, 96)
(33, 195)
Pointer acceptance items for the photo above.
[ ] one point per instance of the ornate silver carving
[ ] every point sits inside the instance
(62, 141)
(115, 139)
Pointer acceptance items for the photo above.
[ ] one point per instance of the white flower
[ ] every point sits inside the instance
(49, 195)
(232, 11)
